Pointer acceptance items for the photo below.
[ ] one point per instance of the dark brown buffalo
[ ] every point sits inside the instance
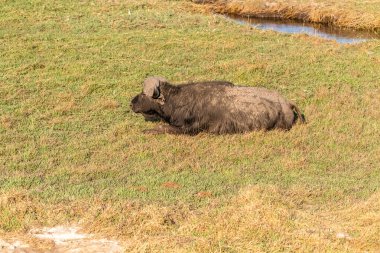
(217, 107)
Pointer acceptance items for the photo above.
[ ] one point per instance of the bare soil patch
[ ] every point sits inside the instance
(60, 239)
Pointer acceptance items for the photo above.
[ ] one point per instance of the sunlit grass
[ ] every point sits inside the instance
(71, 150)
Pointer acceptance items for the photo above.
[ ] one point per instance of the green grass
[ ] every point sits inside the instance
(69, 69)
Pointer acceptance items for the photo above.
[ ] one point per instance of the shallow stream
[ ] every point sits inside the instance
(343, 36)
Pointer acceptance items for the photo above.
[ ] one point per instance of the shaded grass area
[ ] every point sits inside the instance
(71, 149)
(349, 14)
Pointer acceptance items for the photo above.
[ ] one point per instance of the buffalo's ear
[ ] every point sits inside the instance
(156, 92)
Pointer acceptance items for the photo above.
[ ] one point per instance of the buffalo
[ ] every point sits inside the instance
(217, 107)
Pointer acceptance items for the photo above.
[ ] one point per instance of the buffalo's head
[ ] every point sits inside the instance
(149, 100)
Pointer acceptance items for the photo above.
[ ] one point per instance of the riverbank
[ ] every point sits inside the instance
(352, 14)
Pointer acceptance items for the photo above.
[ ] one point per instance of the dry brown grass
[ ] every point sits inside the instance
(107, 104)
(351, 14)
(258, 219)
(6, 121)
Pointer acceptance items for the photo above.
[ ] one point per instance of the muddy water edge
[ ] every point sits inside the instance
(342, 36)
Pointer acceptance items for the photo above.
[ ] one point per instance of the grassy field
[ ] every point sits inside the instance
(72, 151)
(350, 13)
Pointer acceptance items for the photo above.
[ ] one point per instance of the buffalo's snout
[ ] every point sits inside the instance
(134, 104)
(134, 100)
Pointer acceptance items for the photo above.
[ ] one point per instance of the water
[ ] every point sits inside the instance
(343, 36)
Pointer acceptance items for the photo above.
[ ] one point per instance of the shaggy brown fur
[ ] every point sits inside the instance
(216, 107)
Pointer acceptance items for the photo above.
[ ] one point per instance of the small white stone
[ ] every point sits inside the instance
(342, 235)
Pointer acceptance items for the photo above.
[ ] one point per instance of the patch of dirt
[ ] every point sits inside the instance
(171, 185)
(14, 246)
(63, 240)
(204, 194)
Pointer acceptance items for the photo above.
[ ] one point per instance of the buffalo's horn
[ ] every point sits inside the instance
(152, 86)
